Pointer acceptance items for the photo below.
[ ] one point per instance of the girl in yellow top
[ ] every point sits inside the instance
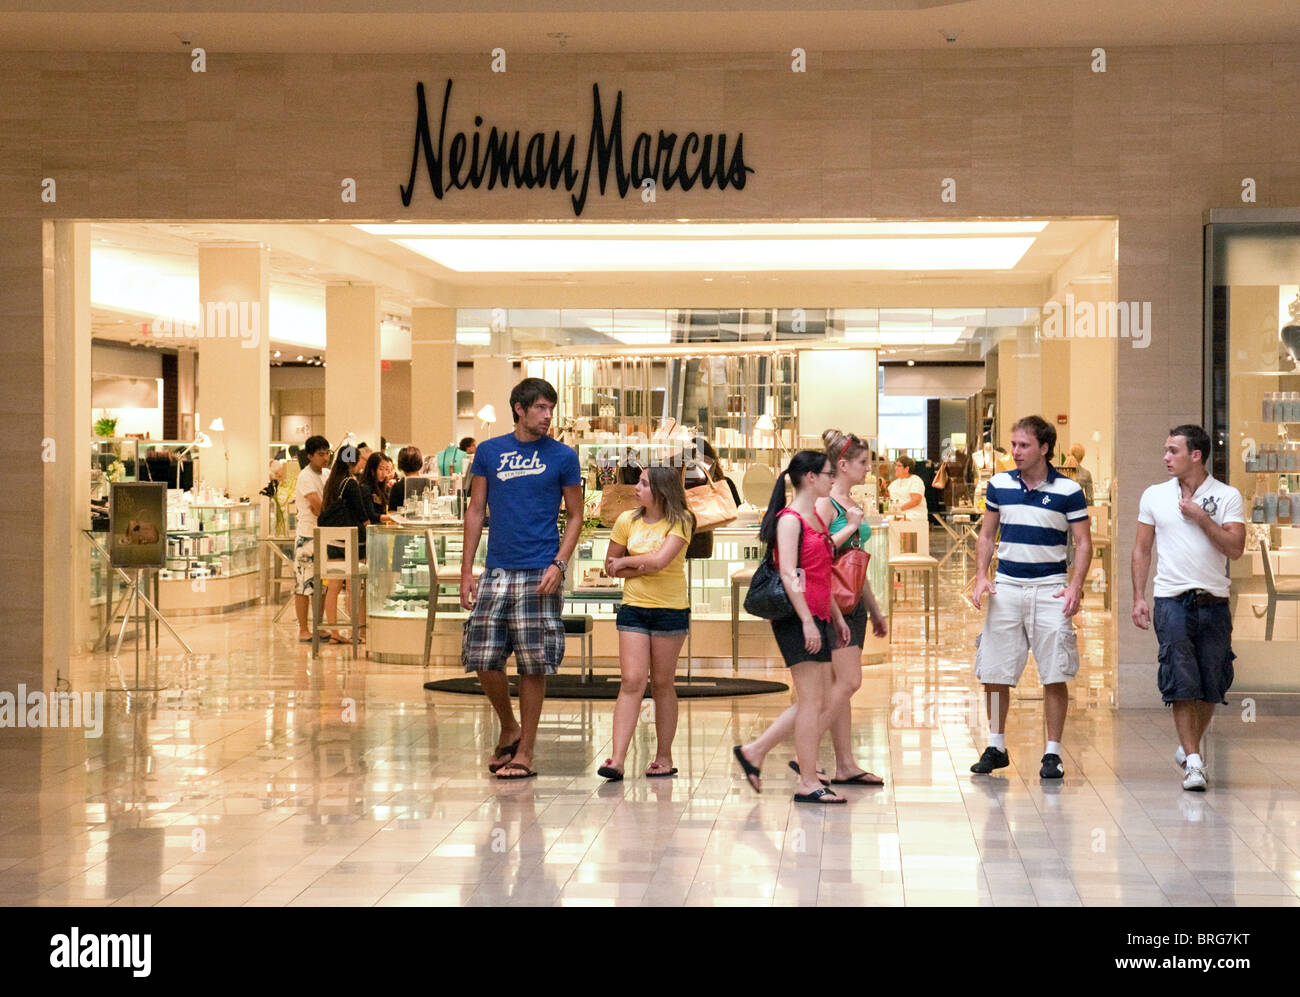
(647, 547)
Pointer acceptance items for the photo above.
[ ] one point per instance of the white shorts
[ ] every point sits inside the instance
(1023, 618)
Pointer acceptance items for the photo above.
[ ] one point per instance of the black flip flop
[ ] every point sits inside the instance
(503, 751)
(819, 796)
(665, 774)
(821, 776)
(524, 771)
(752, 774)
(608, 771)
(859, 780)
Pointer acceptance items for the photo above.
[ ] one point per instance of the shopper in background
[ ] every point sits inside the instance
(409, 463)
(521, 478)
(907, 491)
(363, 455)
(647, 547)
(807, 639)
(1199, 525)
(1031, 604)
(344, 489)
(1084, 476)
(452, 459)
(309, 492)
(376, 482)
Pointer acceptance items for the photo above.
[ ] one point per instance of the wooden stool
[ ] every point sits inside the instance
(739, 579)
(326, 569)
(447, 574)
(583, 626)
(928, 568)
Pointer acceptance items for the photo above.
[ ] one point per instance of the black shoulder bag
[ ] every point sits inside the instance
(767, 597)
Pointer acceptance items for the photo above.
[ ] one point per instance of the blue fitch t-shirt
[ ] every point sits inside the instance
(525, 487)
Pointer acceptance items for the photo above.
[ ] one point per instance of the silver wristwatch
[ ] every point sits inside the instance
(563, 566)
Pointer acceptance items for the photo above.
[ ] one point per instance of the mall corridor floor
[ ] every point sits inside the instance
(263, 778)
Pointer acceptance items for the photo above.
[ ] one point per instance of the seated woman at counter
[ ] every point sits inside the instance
(409, 462)
(376, 480)
(647, 546)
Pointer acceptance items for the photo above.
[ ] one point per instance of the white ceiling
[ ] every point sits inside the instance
(304, 258)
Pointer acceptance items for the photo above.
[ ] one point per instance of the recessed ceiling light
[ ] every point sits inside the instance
(911, 363)
(299, 357)
(276, 354)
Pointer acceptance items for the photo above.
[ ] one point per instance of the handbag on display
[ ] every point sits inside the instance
(614, 500)
(712, 505)
(849, 577)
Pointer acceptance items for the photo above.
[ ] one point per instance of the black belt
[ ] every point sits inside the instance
(1204, 598)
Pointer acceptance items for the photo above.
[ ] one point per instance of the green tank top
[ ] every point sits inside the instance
(841, 520)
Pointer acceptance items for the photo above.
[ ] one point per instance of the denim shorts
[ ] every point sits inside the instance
(1195, 649)
(653, 622)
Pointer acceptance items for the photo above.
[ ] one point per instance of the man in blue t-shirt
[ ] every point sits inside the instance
(517, 606)
(1038, 508)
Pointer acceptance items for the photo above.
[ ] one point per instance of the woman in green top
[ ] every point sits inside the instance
(851, 460)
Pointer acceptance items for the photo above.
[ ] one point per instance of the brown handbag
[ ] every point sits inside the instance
(614, 500)
(849, 577)
(712, 504)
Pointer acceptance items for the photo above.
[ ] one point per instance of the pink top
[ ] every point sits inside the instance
(815, 557)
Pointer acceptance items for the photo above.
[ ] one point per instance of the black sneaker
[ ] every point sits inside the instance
(1052, 768)
(993, 758)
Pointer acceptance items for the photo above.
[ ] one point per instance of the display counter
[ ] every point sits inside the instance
(399, 588)
(212, 561)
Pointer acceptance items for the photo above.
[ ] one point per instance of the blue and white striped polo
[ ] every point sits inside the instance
(1035, 524)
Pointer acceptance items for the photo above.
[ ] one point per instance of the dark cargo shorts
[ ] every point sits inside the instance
(1195, 648)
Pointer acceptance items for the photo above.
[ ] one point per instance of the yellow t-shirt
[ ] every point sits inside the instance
(664, 589)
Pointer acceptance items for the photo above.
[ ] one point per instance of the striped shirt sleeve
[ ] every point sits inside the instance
(1076, 506)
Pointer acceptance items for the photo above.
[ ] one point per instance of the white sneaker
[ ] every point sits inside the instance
(1195, 780)
(1180, 756)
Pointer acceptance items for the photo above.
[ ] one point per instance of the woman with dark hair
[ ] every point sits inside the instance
(803, 554)
(342, 488)
(409, 462)
(648, 548)
(848, 529)
(376, 480)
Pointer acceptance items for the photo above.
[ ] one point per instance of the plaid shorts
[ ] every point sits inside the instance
(304, 565)
(510, 617)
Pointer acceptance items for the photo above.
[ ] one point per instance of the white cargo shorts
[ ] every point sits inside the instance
(1023, 618)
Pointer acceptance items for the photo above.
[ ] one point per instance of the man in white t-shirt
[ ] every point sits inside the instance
(1199, 525)
(307, 499)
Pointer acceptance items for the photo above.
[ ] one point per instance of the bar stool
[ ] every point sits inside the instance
(739, 579)
(582, 625)
(326, 569)
(447, 574)
(928, 568)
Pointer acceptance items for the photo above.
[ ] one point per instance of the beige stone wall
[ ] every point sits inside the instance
(1162, 136)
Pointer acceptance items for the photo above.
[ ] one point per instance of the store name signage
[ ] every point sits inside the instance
(539, 160)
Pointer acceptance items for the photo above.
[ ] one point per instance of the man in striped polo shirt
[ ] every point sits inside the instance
(1030, 602)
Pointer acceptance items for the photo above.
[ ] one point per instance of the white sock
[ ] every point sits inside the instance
(1194, 761)
(998, 741)
(1053, 748)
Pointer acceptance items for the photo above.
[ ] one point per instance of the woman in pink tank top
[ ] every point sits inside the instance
(803, 554)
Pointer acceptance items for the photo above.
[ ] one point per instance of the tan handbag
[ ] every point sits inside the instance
(712, 504)
(615, 500)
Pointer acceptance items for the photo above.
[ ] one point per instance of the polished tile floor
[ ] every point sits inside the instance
(259, 777)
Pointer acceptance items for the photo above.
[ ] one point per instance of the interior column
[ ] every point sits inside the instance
(352, 371)
(68, 475)
(234, 382)
(433, 378)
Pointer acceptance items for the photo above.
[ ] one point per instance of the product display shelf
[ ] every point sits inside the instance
(213, 558)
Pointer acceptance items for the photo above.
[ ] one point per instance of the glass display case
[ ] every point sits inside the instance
(1252, 397)
(399, 582)
(210, 541)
